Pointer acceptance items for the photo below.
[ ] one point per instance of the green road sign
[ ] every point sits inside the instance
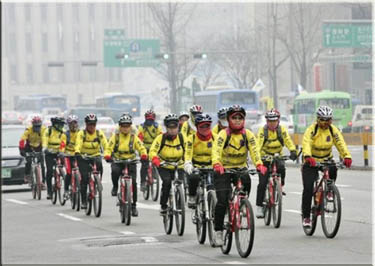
(341, 35)
(131, 53)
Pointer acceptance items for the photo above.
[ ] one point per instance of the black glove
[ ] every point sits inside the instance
(293, 155)
(22, 153)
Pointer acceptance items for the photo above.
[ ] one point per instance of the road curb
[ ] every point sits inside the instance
(357, 168)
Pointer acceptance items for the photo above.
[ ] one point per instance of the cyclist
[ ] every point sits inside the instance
(89, 142)
(198, 153)
(188, 128)
(271, 139)
(56, 140)
(71, 136)
(147, 132)
(184, 116)
(122, 146)
(168, 147)
(33, 139)
(230, 150)
(317, 143)
(222, 120)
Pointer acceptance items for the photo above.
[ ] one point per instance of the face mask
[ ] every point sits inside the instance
(149, 122)
(37, 129)
(223, 122)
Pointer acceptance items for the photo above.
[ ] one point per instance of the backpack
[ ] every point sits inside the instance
(164, 138)
(229, 136)
(117, 143)
(279, 136)
(316, 130)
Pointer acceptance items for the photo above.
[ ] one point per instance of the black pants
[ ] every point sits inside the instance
(144, 170)
(263, 180)
(50, 162)
(28, 162)
(167, 175)
(309, 175)
(117, 169)
(85, 169)
(70, 161)
(223, 193)
(193, 182)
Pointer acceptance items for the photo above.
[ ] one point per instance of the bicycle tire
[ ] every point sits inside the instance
(98, 199)
(62, 200)
(200, 218)
(33, 182)
(128, 204)
(246, 211)
(39, 181)
(146, 192)
(227, 233)
(122, 211)
(326, 209)
(168, 218)
(314, 218)
(278, 204)
(155, 188)
(89, 203)
(211, 198)
(267, 206)
(54, 189)
(180, 211)
(72, 199)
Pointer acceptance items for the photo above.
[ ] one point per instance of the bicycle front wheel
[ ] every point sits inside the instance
(277, 205)
(33, 183)
(97, 200)
(227, 233)
(331, 211)
(180, 211)
(54, 189)
(89, 199)
(200, 218)
(38, 176)
(62, 200)
(245, 234)
(128, 203)
(155, 184)
(168, 218)
(267, 205)
(146, 192)
(211, 216)
(309, 231)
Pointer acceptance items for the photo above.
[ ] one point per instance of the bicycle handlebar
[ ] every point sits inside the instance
(86, 157)
(174, 164)
(329, 163)
(33, 153)
(127, 161)
(241, 171)
(276, 156)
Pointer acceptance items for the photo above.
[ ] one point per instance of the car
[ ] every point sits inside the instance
(12, 163)
(106, 124)
(363, 118)
(11, 118)
(262, 121)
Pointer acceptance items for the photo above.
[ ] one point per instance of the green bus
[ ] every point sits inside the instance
(306, 104)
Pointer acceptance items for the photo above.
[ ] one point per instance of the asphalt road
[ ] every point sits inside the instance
(38, 232)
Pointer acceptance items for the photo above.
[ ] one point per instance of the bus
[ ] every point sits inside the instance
(306, 104)
(213, 100)
(41, 103)
(125, 102)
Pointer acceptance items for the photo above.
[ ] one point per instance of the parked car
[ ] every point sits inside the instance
(11, 118)
(262, 121)
(107, 125)
(362, 120)
(12, 163)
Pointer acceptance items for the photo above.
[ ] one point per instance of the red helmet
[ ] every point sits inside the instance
(150, 115)
(272, 115)
(36, 121)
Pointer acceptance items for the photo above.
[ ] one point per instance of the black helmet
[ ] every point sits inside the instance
(125, 119)
(200, 118)
(236, 109)
(57, 120)
(91, 118)
(171, 119)
(222, 113)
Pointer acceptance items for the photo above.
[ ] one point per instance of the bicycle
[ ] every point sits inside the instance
(75, 187)
(57, 181)
(329, 209)
(176, 204)
(36, 173)
(125, 195)
(239, 211)
(152, 183)
(94, 197)
(273, 197)
(204, 213)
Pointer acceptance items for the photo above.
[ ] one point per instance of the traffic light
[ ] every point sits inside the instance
(200, 56)
(162, 56)
(122, 56)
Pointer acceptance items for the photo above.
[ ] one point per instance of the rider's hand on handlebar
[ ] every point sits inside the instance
(108, 158)
(262, 169)
(293, 155)
(156, 161)
(218, 167)
(310, 160)
(144, 157)
(347, 162)
(188, 167)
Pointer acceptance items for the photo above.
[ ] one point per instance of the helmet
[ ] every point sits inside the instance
(36, 121)
(57, 120)
(125, 119)
(91, 118)
(222, 113)
(195, 109)
(72, 118)
(183, 113)
(200, 118)
(150, 114)
(324, 112)
(272, 115)
(236, 109)
(171, 118)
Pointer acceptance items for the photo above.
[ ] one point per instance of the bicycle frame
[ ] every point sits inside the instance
(73, 182)
(150, 178)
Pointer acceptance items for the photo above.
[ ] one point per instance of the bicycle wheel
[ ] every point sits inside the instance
(245, 234)
(72, 199)
(33, 183)
(180, 211)
(211, 198)
(97, 200)
(331, 211)
(200, 217)
(54, 189)
(128, 203)
(168, 218)
(227, 233)
(267, 206)
(89, 203)
(146, 192)
(277, 205)
(155, 184)
(62, 200)
(309, 231)
(38, 176)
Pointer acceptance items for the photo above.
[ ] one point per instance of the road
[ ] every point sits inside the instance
(38, 232)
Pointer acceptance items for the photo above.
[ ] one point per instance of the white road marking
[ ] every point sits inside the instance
(295, 192)
(234, 262)
(149, 239)
(69, 217)
(293, 211)
(339, 185)
(148, 206)
(17, 201)
(127, 233)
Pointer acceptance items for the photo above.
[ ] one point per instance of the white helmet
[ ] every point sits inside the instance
(324, 112)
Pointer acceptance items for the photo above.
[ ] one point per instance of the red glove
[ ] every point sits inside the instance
(311, 161)
(62, 145)
(21, 144)
(156, 161)
(218, 167)
(140, 136)
(144, 157)
(107, 158)
(347, 162)
(262, 169)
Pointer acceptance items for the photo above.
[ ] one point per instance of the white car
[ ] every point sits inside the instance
(262, 121)
(106, 124)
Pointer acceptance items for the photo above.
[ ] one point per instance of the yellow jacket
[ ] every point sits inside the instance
(54, 139)
(149, 133)
(216, 129)
(124, 151)
(35, 139)
(235, 154)
(70, 146)
(199, 152)
(173, 150)
(91, 144)
(320, 145)
(273, 145)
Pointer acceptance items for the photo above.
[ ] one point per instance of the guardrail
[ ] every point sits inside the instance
(357, 139)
